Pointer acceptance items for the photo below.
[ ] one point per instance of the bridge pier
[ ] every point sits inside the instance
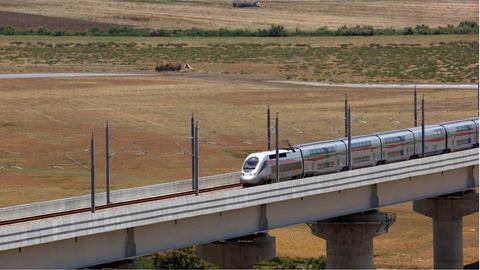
(239, 253)
(350, 238)
(447, 213)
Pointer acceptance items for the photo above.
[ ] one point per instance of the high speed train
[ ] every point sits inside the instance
(323, 157)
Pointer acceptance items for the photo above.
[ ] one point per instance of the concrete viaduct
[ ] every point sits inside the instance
(340, 208)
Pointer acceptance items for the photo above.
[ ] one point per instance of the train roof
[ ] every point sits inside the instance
(383, 133)
(459, 121)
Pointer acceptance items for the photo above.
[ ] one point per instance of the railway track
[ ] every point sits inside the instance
(117, 204)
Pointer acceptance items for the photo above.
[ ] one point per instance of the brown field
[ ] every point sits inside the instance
(212, 14)
(47, 123)
(31, 21)
(46, 119)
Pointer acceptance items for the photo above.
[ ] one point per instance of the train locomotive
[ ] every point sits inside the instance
(323, 157)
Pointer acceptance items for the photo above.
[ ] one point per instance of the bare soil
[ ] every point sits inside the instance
(31, 21)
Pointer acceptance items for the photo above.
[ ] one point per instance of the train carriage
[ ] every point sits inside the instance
(369, 150)
(461, 135)
(323, 157)
(396, 145)
(365, 151)
(435, 140)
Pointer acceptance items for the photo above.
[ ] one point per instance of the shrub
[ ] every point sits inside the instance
(8, 30)
(58, 33)
(465, 27)
(42, 31)
(127, 31)
(355, 31)
(184, 258)
(94, 32)
(287, 263)
(422, 29)
(274, 31)
(408, 31)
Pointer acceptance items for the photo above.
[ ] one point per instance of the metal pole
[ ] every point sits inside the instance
(415, 106)
(197, 171)
(277, 169)
(478, 99)
(349, 135)
(92, 173)
(192, 138)
(423, 125)
(107, 161)
(346, 116)
(269, 133)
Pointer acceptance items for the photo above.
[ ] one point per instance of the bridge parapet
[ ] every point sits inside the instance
(213, 216)
(123, 195)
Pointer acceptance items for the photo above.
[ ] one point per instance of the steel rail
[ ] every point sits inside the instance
(115, 204)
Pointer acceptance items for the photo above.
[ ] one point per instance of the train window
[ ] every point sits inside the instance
(395, 139)
(250, 164)
(264, 166)
(438, 131)
(395, 154)
(463, 128)
(464, 141)
(325, 165)
(321, 151)
(361, 144)
(361, 159)
(290, 166)
(280, 155)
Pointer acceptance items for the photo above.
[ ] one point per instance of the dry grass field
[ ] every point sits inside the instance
(47, 123)
(46, 126)
(213, 14)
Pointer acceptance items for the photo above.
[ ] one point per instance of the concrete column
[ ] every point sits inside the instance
(350, 238)
(239, 253)
(447, 214)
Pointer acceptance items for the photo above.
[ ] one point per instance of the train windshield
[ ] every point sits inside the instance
(250, 164)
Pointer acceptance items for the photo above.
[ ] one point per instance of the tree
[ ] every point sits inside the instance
(8, 30)
(184, 258)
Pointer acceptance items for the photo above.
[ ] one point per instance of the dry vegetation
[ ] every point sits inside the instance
(450, 58)
(44, 119)
(212, 14)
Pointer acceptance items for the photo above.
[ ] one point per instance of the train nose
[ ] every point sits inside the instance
(247, 176)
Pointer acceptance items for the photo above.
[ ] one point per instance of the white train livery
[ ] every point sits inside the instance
(323, 157)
